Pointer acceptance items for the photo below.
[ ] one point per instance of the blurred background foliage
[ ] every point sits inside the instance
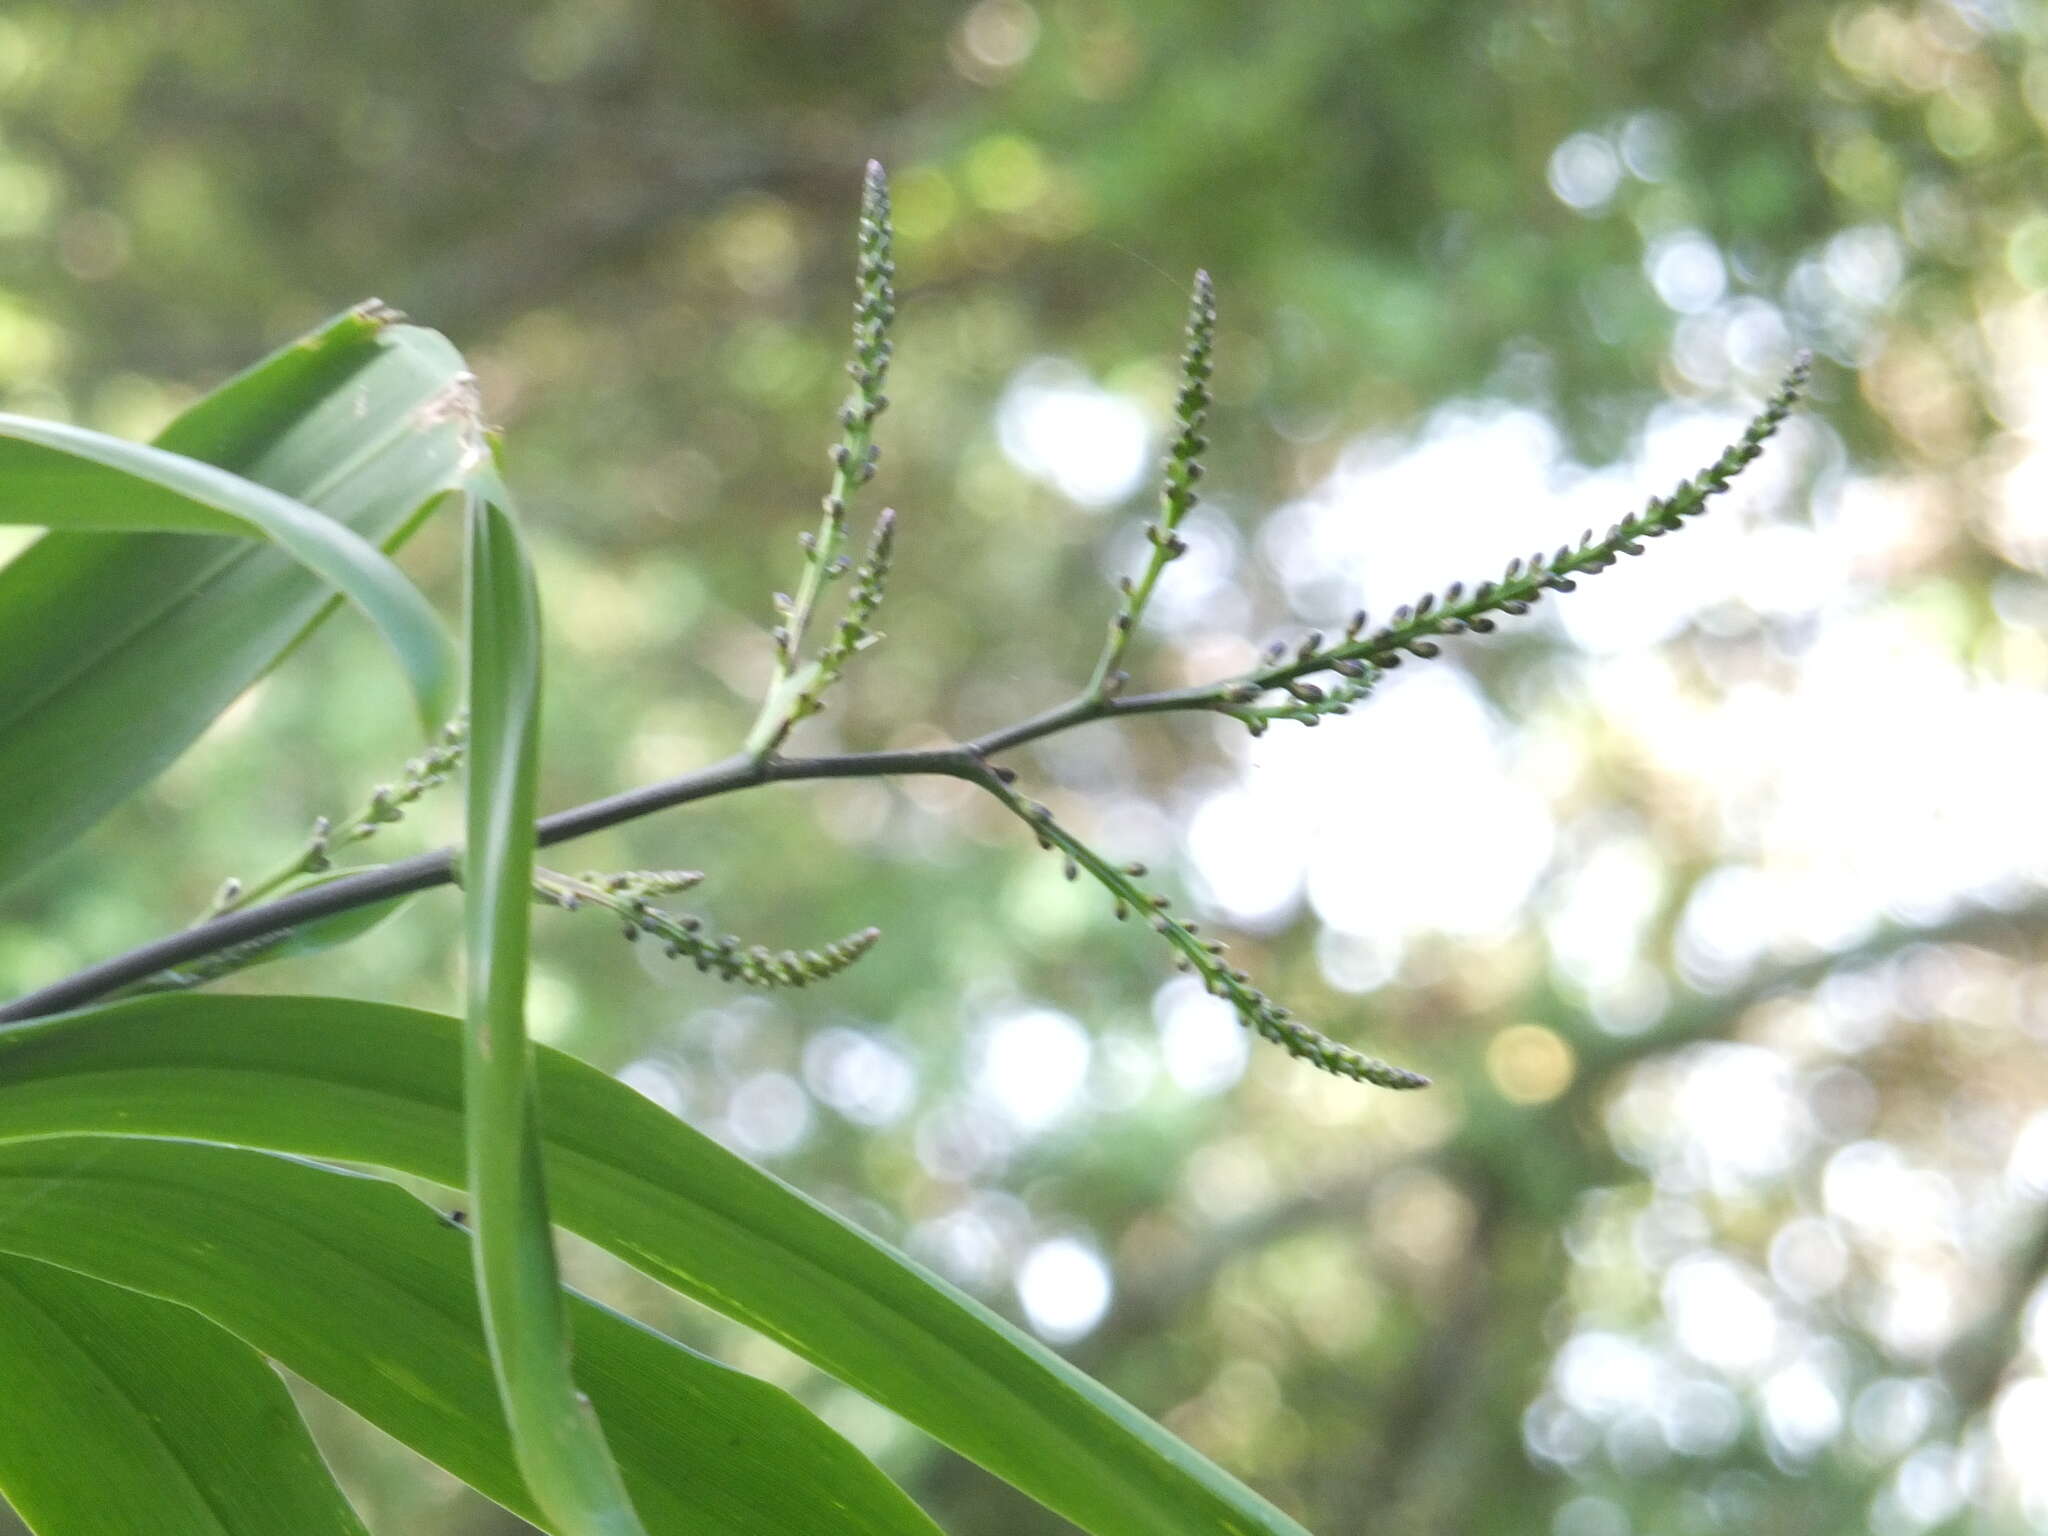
(1712, 898)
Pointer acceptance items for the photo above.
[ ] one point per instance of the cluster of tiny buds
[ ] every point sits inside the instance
(1167, 542)
(1196, 367)
(629, 896)
(858, 473)
(756, 966)
(430, 770)
(1415, 629)
(1182, 465)
(642, 885)
(855, 632)
(1182, 469)
(855, 456)
(874, 308)
(1285, 670)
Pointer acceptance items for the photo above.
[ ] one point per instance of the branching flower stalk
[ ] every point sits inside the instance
(627, 894)
(1251, 700)
(1303, 683)
(796, 687)
(1177, 496)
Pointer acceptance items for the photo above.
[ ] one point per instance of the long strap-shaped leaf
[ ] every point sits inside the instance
(366, 1292)
(371, 1083)
(54, 475)
(122, 1413)
(561, 1447)
(118, 649)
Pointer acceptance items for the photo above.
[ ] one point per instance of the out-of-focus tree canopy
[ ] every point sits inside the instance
(1712, 897)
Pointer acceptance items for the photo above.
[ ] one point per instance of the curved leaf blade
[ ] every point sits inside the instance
(118, 649)
(124, 1413)
(365, 1292)
(560, 1444)
(378, 1084)
(54, 475)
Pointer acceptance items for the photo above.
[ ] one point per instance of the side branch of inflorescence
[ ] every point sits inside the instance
(795, 689)
(1181, 471)
(1415, 630)
(1197, 953)
(630, 896)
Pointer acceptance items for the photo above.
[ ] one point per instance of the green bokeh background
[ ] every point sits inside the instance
(636, 219)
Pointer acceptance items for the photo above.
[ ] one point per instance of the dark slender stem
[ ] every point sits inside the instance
(427, 870)
(1082, 710)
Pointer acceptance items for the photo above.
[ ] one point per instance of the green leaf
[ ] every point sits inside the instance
(560, 1444)
(54, 475)
(123, 1413)
(118, 649)
(316, 937)
(365, 1291)
(336, 929)
(376, 1084)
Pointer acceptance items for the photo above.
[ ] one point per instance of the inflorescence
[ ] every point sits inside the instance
(855, 632)
(1177, 495)
(1415, 630)
(630, 897)
(387, 804)
(1302, 682)
(798, 687)
(1197, 953)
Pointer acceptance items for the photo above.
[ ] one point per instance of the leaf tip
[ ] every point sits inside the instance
(378, 314)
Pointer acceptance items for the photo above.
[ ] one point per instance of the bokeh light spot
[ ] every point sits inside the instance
(1686, 269)
(1033, 1065)
(1058, 427)
(867, 1081)
(1529, 1064)
(2026, 252)
(1007, 174)
(1064, 1288)
(997, 36)
(1200, 1039)
(768, 1114)
(1584, 172)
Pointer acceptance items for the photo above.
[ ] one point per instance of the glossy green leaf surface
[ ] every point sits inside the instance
(316, 937)
(123, 1413)
(379, 1084)
(365, 1291)
(118, 649)
(555, 1432)
(55, 475)
(327, 933)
